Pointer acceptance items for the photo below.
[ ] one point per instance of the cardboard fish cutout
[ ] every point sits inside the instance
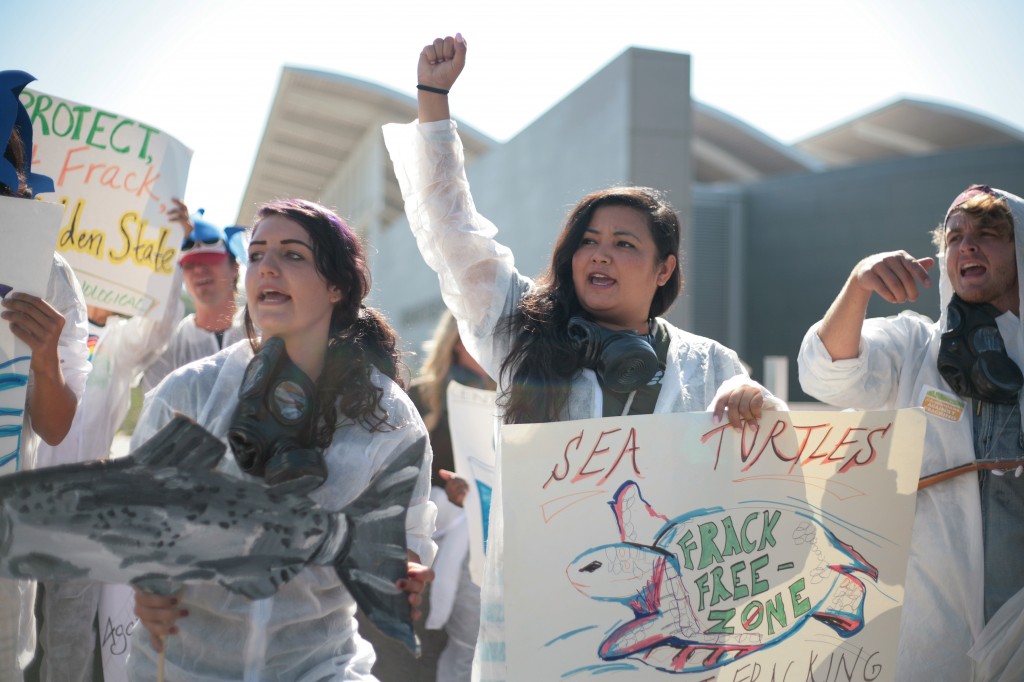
(163, 516)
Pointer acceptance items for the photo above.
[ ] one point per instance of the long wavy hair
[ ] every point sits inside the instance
(542, 363)
(14, 151)
(442, 358)
(359, 337)
(433, 378)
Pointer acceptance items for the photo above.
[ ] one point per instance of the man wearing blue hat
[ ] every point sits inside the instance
(209, 260)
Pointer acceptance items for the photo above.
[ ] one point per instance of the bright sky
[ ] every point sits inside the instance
(205, 71)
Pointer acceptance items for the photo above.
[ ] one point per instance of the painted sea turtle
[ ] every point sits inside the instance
(716, 584)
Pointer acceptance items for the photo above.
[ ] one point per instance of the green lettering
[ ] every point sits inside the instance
(708, 550)
(801, 605)
(702, 588)
(777, 611)
(145, 142)
(758, 586)
(751, 621)
(718, 589)
(97, 127)
(769, 525)
(732, 543)
(687, 544)
(739, 590)
(42, 103)
(120, 150)
(748, 544)
(721, 619)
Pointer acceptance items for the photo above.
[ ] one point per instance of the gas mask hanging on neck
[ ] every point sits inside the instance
(276, 404)
(623, 360)
(972, 356)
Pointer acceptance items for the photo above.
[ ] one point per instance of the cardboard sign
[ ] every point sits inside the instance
(637, 547)
(471, 413)
(115, 177)
(28, 231)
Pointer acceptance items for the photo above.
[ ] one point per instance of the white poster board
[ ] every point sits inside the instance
(117, 621)
(638, 548)
(115, 177)
(471, 413)
(28, 231)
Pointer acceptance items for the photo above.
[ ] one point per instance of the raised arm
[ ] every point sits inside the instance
(894, 276)
(440, 64)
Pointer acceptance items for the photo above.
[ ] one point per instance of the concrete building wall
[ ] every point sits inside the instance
(629, 124)
(805, 233)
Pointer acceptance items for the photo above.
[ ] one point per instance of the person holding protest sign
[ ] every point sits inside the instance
(454, 599)
(337, 415)
(963, 613)
(614, 269)
(121, 348)
(210, 258)
(54, 327)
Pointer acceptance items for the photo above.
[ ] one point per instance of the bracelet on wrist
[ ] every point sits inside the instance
(430, 88)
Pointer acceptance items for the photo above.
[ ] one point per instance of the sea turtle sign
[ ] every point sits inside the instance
(666, 546)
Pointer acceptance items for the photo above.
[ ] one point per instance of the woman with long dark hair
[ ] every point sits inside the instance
(305, 284)
(556, 345)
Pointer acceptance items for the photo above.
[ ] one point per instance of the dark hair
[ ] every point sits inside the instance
(359, 338)
(15, 153)
(541, 361)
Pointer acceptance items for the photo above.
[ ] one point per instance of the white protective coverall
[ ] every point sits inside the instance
(480, 285)
(307, 631)
(17, 599)
(943, 606)
(126, 346)
(189, 343)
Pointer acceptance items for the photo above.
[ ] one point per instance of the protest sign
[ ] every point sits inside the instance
(637, 547)
(117, 622)
(28, 231)
(115, 177)
(471, 413)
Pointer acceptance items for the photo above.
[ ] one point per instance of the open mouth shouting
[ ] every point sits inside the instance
(272, 296)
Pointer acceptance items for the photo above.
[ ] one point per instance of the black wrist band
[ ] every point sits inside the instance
(428, 88)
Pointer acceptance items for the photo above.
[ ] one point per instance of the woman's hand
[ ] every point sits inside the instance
(158, 614)
(415, 583)
(455, 487)
(39, 325)
(740, 398)
(440, 64)
(51, 402)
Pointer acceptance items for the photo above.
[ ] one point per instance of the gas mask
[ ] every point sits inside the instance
(623, 360)
(972, 356)
(276, 403)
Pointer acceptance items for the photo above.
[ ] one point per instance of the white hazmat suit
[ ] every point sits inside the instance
(943, 606)
(307, 630)
(480, 285)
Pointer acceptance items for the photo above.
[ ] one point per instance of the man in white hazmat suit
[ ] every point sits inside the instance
(210, 259)
(963, 616)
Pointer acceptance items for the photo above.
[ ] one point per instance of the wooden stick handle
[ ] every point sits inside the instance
(976, 465)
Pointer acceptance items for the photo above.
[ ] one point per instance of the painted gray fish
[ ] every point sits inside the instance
(163, 516)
